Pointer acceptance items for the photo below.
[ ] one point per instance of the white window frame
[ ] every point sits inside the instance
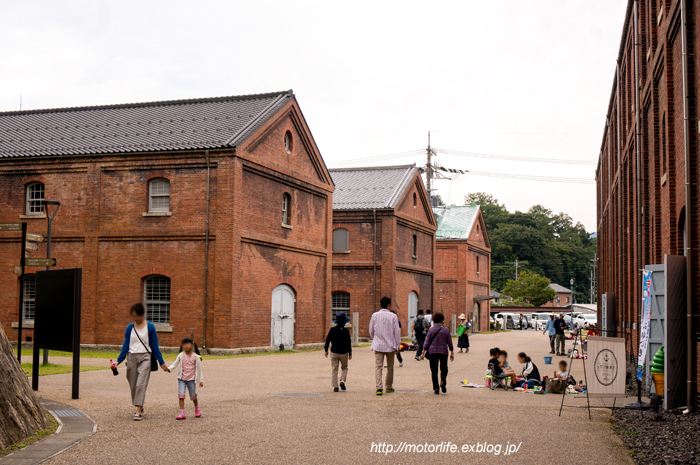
(29, 298)
(337, 308)
(346, 240)
(286, 208)
(151, 195)
(150, 303)
(32, 201)
(288, 142)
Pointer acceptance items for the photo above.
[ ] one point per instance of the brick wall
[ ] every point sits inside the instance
(639, 224)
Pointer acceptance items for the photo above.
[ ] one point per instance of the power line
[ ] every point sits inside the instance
(524, 177)
(512, 158)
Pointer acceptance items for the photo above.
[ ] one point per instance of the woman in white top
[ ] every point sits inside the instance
(140, 341)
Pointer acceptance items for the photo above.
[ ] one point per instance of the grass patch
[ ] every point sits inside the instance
(51, 426)
(112, 355)
(53, 369)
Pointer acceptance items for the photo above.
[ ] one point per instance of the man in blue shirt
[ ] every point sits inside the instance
(551, 330)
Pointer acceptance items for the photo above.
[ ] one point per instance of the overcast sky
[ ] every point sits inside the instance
(527, 78)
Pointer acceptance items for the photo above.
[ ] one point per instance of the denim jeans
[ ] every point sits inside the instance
(189, 385)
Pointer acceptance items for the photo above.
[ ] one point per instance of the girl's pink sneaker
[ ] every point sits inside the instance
(181, 417)
(197, 413)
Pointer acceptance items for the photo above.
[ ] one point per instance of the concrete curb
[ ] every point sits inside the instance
(73, 427)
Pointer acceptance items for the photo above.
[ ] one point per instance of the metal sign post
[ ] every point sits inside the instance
(21, 294)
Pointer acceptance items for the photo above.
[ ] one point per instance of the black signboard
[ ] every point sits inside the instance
(57, 317)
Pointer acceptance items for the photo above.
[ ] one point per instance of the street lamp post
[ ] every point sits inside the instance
(49, 219)
(571, 304)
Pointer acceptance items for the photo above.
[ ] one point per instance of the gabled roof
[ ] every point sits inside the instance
(380, 187)
(206, 123)
(455, 222)
(559, 288)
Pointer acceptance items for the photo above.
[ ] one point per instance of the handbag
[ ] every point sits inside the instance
(555, 386)
(154, 362)
(460, 330)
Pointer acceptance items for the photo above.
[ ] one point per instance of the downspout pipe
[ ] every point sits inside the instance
(638, 149)
(620, 295)
(688, 208)
(374, 259)
(206, 251)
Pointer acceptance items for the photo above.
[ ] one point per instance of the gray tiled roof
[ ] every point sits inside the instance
(371, 187)
(559, 288)
(137, 127)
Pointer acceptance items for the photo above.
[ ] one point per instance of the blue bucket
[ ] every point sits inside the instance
(548, 360)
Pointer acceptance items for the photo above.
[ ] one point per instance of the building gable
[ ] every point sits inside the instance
(478, 236)
(415, 204)
(284, 143)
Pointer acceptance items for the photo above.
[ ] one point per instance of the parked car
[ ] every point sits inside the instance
(585, 320)
(507, 320)
(539, 320)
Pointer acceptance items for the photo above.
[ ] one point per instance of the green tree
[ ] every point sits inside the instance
(493, 212)
(530, 287)
(542, 242)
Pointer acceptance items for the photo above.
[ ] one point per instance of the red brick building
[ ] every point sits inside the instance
(463, 265)
(563, 297)
(383, 243)
(141, 184)
(647, 176)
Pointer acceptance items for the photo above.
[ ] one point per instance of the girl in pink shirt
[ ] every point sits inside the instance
(189, 374)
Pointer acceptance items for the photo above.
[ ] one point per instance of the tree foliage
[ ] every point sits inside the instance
(530, 287)
(543, 242)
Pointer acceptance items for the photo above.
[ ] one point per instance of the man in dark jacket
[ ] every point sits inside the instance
(341, 350)
(420, 330)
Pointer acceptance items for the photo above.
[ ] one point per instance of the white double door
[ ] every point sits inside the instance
(282, 320)
(412, 311)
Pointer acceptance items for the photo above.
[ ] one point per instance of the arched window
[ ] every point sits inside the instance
(415, 200)
(28, 298)
(286, 208)
(340, 302)
(156, 299)
(159, 195)
(288, 142)
(477, 264)
(341, 240)
(414, 246)
(35, 197)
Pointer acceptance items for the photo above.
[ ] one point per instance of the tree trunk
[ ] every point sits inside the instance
(20, 413)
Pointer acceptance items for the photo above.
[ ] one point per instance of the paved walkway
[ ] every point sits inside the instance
(280, 408)
(73, 428)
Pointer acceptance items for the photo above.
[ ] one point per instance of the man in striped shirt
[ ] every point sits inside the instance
(386, 340)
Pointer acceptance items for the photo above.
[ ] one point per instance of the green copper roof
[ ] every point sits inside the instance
(455, 222)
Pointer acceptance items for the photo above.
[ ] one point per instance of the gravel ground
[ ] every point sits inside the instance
(673, 440)
(245, 420)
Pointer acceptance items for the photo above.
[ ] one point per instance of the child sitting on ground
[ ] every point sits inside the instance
(503, 358)
(189, 374)
(530, 374)
(562, 372)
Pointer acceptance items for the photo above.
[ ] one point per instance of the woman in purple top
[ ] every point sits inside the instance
(438, 344)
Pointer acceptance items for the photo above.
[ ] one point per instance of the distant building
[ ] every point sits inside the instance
(563, 297)
(497, 297)
(383, 243)
(463, 268)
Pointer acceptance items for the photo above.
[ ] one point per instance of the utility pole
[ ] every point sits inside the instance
(516, 269)
(429, 172)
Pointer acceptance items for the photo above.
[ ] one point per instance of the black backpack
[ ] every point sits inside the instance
(419, 325)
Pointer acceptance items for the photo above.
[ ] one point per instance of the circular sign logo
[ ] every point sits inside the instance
(605, 367)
